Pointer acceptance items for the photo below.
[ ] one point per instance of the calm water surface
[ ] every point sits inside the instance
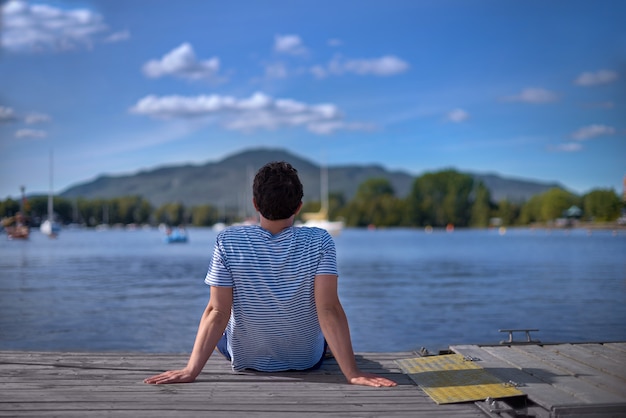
(401, 289)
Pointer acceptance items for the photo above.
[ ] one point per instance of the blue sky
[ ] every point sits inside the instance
(533, 90)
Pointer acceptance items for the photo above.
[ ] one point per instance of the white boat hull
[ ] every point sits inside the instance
(50, 228)
(333, 228)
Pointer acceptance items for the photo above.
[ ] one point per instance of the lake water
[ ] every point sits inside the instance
(402, 289)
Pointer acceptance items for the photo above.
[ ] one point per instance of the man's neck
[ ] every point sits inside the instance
(275, 227)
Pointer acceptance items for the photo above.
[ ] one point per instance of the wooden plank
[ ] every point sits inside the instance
(208, 405)
(590, 411)
(596, 356)
(230, 414)
(609, 351)
(621, 346)
(537, 390)
(105, 384)
(580, 370)
(545, 371)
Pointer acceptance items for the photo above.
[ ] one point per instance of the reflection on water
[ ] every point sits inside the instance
(401, 289)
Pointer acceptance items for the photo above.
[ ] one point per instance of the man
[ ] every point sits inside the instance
(274, 304)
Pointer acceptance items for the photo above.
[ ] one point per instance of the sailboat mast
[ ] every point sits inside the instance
(50, 202)
(324, 189)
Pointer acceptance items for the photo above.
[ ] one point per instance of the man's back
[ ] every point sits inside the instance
(274, 297)
(274, 324)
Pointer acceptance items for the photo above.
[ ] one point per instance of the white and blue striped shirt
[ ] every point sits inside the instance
(273, 324)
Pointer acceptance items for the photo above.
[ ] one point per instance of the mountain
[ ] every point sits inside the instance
(228, 183)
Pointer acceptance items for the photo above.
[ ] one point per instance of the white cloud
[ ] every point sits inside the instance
(566, 147)
(599, 77)
(276, 70)
(583, 134)
(120, 36)
(592, 131)
(182, 62)
(335, 42)
(533, 95)
(289, 44)
(34, 118)
(457, 116)
(318, 71)
(259, 111)
(39, 27)
(383, 66)
(30, 133)
(324, 128)
(7, 114)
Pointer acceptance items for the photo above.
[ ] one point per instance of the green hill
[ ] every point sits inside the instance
(228, 183)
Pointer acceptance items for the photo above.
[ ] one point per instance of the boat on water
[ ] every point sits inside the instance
(176, 236)
(321, 219)
(17, 231)
(16, 227)
(49, 227)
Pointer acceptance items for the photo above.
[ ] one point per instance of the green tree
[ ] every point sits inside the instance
(530, 211)
(554, 202)
(481, 207)
(374, 188)
(143, 211)
(602, 205)
(95, 212)
(131, 209)
(548, 206)
(9, 207)
(171, 213)
(38, 207)
(440, 198)
(204, 215)
(508, 212)
(374, 204)
(336, 202)
(62, 209)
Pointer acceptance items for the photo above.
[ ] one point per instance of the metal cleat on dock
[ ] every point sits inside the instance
(527, 331)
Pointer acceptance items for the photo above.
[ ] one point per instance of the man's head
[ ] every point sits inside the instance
(277, 191)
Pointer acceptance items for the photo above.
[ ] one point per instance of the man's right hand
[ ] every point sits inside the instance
(370, 379)
(172, 376)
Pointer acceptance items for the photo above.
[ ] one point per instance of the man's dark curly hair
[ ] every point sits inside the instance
(277, 190)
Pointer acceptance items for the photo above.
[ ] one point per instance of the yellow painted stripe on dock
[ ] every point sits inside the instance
(450, 378)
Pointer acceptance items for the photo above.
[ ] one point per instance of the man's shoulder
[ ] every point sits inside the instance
(236, 231)
(314, 231)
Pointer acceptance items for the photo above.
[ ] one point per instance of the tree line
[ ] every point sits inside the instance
(448, 197)
(436, 199)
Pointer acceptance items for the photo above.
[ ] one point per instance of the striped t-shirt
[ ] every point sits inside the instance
(273, 324)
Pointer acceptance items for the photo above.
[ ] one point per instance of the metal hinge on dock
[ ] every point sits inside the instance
(529, 340)
(498, 408)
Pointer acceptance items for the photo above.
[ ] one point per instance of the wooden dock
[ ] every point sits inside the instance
(555, 378)
(560, 380)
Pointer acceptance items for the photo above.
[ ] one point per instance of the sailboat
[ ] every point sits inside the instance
(49, 227)
(320, 219)
(16, 226)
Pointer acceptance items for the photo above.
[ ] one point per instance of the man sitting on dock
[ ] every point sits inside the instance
(274, 304)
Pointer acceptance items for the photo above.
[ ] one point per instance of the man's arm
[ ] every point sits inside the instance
(334, 325)
(212, 326)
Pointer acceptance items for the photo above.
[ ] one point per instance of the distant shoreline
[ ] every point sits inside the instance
(581, 225)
